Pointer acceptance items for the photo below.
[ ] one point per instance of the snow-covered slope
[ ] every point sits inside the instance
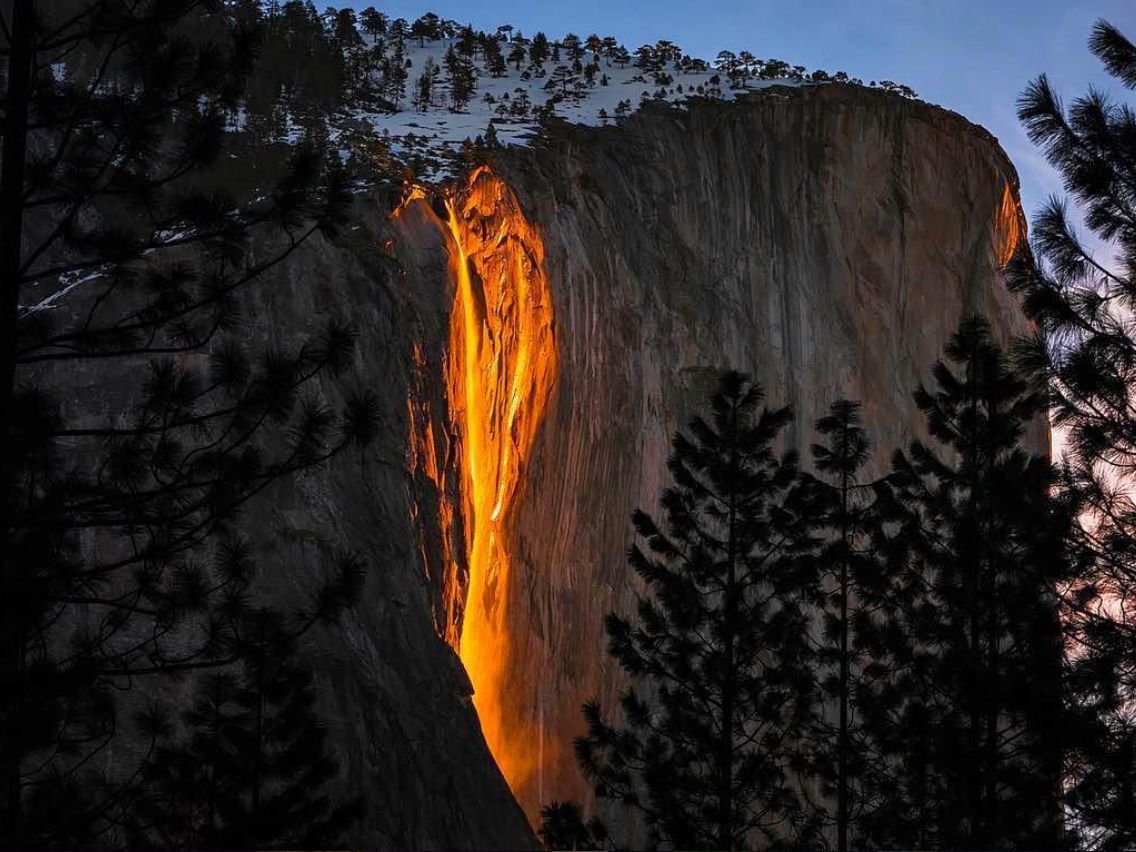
(573, 82)
(512, 103)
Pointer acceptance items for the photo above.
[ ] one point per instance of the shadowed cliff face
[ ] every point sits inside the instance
(827, 240)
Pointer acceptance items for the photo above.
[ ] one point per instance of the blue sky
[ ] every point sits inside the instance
(972, 57)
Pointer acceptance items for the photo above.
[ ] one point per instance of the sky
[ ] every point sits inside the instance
(970, 56)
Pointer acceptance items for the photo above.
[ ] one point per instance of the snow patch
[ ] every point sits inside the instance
(513, 102)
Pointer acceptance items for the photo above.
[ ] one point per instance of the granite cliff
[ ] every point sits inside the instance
(536, 333)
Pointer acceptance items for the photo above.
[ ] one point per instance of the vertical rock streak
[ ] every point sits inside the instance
(424, 460)
(501, 373)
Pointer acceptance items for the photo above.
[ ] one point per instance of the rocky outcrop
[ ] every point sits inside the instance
(824, 239)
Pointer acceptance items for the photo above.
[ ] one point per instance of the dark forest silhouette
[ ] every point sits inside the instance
(126, 566)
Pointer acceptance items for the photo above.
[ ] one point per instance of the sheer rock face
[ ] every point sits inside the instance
(396, 699)
(824, 239)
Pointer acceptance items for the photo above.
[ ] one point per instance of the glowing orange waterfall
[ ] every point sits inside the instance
(1009, 227)
(501, 373)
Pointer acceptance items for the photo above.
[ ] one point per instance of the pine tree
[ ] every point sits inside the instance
(490, 139)
(851, 581)
(732, 66)
(562, 826)
(463, 78)
(971, 715)
(645, 58)
(494, 59)
(429, 26)
(250, 767)
(573, 46)
(122, 560)
(344, 29)
(374, 23)
(395, 74)
(1101, 766)
(560, 77)
(538, 49)
(398, 29)
(1081, 295)
(467, 42)
(424, 86)
(718, 653)
(750, 66)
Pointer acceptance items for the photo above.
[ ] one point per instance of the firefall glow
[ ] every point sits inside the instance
(500, 375)
(1009, 227)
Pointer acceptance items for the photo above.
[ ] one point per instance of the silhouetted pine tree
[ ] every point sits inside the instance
(374, 23)
(1100, 769)
(122, 559)
(249, 769)
(971, 714)
(562, 826)
(718, 653)
(1081, 291)
(314, 87)
(850, 585)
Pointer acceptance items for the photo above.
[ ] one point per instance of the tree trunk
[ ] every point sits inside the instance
(729, 676)
(992, 688)
(12, 166)
(842, 744)
(975, 836)
(14, 154)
